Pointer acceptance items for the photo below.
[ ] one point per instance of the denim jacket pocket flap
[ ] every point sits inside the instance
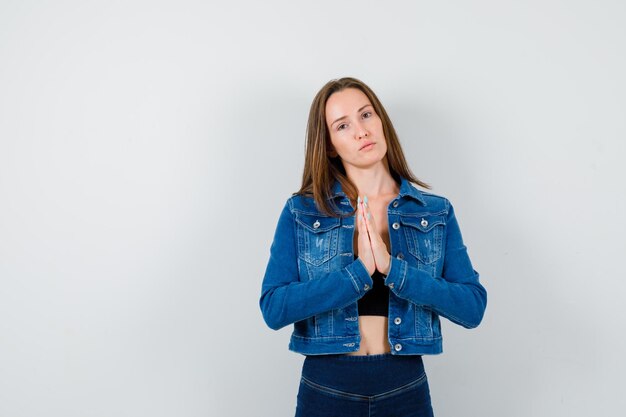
(317, 238)
(315, 223)
(424, 236)
(422, 223)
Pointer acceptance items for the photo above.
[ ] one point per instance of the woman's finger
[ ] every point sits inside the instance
(379, 248)
(363, 241)
(363, 225)
(370, 222)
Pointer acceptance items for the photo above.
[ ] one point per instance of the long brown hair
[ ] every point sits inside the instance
(320, 170)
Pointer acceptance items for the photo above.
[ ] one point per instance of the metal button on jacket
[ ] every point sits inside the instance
(316, 224)
(397, 320)
(396, 225)
(400, 255)
(424, 222)
(398, 347)
(366, 287)
(395, 203)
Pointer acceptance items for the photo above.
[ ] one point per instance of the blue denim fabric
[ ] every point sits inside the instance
(313, 281)
(363, 386)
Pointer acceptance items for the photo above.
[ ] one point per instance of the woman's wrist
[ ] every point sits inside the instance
(386, 271)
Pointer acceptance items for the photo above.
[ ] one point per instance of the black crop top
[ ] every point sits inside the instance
(375, 302)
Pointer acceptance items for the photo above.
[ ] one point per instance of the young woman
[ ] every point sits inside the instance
(364, 264)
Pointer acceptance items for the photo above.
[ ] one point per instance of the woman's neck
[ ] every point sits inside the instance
(374, 182)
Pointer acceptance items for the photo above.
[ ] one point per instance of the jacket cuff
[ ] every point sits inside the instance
(396, 281)
(397, 274)
(361, 279)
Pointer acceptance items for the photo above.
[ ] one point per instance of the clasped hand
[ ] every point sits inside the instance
(371, 248)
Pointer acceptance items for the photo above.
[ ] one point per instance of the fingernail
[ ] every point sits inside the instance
(368, 216)
(365, 200)
(358, 200)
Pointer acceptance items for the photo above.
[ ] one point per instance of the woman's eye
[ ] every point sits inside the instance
(340, 127)
(367, 114)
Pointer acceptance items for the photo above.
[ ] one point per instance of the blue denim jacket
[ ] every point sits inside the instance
(313, 281)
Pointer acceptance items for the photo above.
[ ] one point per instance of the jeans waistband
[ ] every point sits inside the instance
(363, 374)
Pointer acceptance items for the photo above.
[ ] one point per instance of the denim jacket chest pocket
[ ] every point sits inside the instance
(317, 237)
(424, 236)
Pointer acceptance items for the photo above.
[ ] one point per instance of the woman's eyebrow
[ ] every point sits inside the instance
(343, 117)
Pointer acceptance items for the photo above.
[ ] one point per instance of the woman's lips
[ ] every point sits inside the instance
(367, 146)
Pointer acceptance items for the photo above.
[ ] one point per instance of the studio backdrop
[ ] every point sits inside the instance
(147, 148)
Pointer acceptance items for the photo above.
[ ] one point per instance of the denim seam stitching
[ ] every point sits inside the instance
(361, 397)
(398, 390)
(328, 390)
(335, 337)
(354, 283)
(404, 271)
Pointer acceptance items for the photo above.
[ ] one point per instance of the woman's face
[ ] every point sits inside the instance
(356, 131)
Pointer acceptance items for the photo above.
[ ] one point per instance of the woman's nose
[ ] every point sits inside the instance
(361, 131)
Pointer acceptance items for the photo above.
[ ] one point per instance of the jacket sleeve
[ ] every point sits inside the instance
(456, 295)
(285, 298)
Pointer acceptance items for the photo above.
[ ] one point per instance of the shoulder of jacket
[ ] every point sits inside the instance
(436, 200)
(433, 196)
(302, 203)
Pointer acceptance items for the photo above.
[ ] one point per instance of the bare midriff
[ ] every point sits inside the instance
(373, 329)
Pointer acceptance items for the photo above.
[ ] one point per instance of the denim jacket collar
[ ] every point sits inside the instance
(406, 190)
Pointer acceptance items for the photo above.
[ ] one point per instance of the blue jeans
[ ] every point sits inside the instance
(382, 385)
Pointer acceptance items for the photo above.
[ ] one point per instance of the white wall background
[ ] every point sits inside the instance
(147, 147)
